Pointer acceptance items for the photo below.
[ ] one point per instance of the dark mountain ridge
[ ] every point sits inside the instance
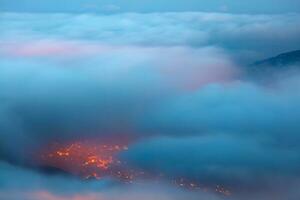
(285, 59)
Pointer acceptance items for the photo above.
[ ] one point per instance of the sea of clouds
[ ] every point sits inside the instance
(174, 82)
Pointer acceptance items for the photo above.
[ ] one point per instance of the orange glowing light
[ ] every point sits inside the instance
(91, 160)
(85, 159)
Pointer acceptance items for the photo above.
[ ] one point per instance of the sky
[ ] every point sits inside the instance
(254, 6)
(132, 102)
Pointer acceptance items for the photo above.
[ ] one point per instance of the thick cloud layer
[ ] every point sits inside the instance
(98, 94)
(238, 107)
(63, 188)
(249, 37)
(217, 159)
(174, 84)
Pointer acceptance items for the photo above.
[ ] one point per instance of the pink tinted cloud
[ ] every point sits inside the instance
(191, 69)
(51, 48)
(183, 67)
(110, 194)
(47, 195)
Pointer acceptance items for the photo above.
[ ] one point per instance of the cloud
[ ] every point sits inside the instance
(87, 92)
(34, 186)
(216, 159)
(247, 36)
(173, 83)
(241, 107)
(63, 188)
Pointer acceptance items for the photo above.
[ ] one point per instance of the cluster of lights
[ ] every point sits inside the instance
(93, 161)
(195, 185)
(83, 158)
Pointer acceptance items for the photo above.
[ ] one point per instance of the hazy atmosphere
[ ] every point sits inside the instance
(152, 100)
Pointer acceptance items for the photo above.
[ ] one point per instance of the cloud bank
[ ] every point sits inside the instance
(173, 84)
(242, 34)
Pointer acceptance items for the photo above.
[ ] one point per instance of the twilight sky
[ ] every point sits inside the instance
(254, 6)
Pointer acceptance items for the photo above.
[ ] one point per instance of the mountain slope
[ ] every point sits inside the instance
(285, 59)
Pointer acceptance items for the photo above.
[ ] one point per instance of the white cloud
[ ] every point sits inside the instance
(241, 34)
